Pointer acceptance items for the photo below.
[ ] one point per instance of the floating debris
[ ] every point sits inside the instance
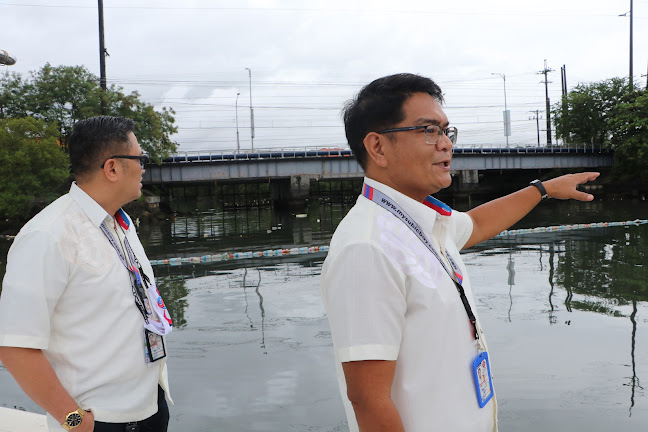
(240, 255)
(317, 249)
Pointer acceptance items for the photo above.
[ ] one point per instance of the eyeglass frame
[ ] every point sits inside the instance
(444, 131)
(143, 159)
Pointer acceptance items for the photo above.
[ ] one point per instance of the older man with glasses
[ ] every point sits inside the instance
(82, 324)
(410, 352)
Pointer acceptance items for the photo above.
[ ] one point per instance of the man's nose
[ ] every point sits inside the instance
(444, 143)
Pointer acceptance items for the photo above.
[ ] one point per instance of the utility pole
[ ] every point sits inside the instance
(631, 75)
(545, 71)
(251, 109)
(537, 119)
(563, 82)
(507, 114)
(102, 57)
(238, 142)
(630, 72)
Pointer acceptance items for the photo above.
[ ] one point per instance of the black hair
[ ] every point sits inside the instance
(379, 105)
(96, 138)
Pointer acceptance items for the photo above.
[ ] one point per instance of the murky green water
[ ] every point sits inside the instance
(566, 315)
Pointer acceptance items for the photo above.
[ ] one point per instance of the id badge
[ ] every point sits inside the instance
(155, 349)
(482, 377)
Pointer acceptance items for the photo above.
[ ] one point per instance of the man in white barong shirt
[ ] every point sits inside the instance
(71, 333)
(403, 341)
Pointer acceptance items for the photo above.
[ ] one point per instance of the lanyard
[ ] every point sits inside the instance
(385, 202)
(156, 318)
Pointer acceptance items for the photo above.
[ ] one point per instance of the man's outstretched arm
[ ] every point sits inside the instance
(495, 216)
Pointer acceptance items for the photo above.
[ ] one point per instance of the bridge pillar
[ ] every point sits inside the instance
(299, 187)
(291, 192)
(469, 177)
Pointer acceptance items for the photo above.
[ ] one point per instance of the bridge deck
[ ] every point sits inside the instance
(340, 163)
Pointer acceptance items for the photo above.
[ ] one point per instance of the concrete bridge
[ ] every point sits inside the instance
(289, 171)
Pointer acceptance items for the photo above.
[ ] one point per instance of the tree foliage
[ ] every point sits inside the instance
(63, 95)
(608, 114)
(629, 124)
(32, 164)
(584, 114)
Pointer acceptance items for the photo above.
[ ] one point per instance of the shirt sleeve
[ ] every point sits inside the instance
(461, 228)
(366, 304)
(35, 278)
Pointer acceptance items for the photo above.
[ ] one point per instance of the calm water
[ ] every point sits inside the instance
(566, 316)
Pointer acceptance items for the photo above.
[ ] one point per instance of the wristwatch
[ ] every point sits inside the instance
(73, 419)
(537, 183)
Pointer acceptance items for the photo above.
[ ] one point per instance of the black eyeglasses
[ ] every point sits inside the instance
(143, 159)
(433, 133)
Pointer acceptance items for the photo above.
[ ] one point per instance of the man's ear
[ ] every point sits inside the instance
(110, 170)
(374, 144)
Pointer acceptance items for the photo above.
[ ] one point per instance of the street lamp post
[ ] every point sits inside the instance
(238, 142)
(507, 114)
(251, 109)
(6, 59)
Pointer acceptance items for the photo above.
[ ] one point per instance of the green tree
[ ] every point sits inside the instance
(629, 123)
(584, 114)
(63, 95)
(32, 164)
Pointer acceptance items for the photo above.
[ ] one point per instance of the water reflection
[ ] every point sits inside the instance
(610, 268)
(510, 266)
(174, 292)
(552, 269)
(256, 290)
(246, 229)
(634, 380)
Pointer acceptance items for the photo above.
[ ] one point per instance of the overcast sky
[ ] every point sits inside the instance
(308, 57)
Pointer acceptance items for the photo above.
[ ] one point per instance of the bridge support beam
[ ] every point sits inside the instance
(291, 192)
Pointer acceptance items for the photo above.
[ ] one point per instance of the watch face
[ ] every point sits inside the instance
(74, 419)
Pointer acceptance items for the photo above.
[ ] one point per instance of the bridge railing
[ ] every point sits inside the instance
(562, 148)
(306, 152)
(268, 153)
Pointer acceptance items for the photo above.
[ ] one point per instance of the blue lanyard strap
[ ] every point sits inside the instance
(388, 204)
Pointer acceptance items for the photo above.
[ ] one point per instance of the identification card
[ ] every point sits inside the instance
(482, 376)
(155, 349)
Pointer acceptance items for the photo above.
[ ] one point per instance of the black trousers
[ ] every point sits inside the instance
(158, 422)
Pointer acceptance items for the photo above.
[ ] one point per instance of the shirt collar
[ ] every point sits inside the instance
(90, 207)
(420, 211)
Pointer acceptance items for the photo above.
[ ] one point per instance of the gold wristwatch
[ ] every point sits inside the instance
(73, 419)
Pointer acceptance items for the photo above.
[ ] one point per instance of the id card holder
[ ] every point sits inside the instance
(482, 377)
(155, 349)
